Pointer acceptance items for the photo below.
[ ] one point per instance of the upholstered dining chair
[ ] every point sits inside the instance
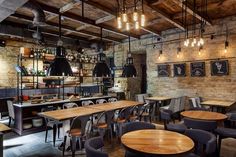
(93, 147)
(223, 132)
(10, 111)
(200, 124)
(205, 143)
(195, 104)
(166, 116)
(133, 126)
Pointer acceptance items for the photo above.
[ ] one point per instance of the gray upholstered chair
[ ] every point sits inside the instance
(226, 132)
(92, 147)
(195, 104)
(166, 116)
(10, 111)
(205, 142)
(200, 124)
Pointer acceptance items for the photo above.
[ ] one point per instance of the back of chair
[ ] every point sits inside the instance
(132, 126)
(82, 123)
(112, 99)
(92, 145)
(10, 109)
(69, 105)
(195, 103)
(86, 103)
(141, 97)
(166, 116)
(200, 124)
(48, 108)
(182, 103)
(101, 101)
(205, 142)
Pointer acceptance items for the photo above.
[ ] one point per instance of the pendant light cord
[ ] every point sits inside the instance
(59, 25)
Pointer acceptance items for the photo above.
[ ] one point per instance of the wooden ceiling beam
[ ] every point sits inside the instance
(69, 29)
(105, 19)
(112, 13)
(69, 6)
(84, 20)
(190, 10)
(165, 15)
(158, 2)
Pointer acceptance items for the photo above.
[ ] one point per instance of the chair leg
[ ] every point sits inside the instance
(73, 145)
(64, 145)
(9, 121)
(46, 135)
(58, 132)
(54, 134)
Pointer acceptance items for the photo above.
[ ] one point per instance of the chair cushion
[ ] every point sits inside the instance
(102, 125)
(176, 127)
(226, 132)
(74, 132)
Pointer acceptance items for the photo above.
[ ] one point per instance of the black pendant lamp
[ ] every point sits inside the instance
(129, 69)
(101, 69)
(60, 66)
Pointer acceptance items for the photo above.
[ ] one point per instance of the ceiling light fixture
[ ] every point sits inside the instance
(226, 40)
(138, 16)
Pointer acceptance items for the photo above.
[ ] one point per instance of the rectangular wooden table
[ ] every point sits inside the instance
(158, 98)
(219, 104)
(115, 105)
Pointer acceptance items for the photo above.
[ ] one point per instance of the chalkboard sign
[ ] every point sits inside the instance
(180, 70)
(197, 69)
(219, 68)
(163, 70)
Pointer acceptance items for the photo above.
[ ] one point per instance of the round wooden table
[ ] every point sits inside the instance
(157, 142)
(204, 115)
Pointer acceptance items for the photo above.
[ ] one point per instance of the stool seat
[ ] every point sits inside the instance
(74, 132)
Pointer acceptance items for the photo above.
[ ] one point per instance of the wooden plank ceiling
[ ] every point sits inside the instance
(161, 15)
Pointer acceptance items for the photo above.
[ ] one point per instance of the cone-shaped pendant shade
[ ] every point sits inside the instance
(60, 65)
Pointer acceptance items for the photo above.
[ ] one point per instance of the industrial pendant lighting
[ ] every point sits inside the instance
(101, 69)
(60, 65)
(129, 69)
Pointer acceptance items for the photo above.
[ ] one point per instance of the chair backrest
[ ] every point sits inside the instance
(86, 103)
(182, 103)
(205, 142)
(101, 101)
(106, 117)
(200, 124)
(69, 105)
(166, 115)
(82, 123)
(10, 109)
(124, 113)
(171, 104)
(92, 147)
(141, 97)
(48, 108)
(195, 102)
(112, 100)
(132, 126)
(147, 108)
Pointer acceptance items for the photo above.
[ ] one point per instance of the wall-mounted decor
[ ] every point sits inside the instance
(219, 68)
(197, 69)
(180, 70)
(163, 70)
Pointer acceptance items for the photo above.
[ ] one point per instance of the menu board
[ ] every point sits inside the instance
(180, 70)
(219, 68)
(197, 69)
(163, 70)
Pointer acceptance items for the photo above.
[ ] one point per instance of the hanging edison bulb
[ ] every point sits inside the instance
(136, 25)
(143, 20)
(135, 16)
(201, 41)
(186, 43)
(194, 40)
(119, 22)
(127, 26)
(124, 17)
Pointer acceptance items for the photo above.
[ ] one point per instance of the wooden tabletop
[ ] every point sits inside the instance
(158, 98)
(65, 114)
(115, 105)
(220, 103)
(204, 115)
(4, 128)
(157, 142)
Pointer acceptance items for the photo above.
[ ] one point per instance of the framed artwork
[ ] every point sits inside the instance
(163, 70)
(197, 69)
(180, 70)
(219, 68)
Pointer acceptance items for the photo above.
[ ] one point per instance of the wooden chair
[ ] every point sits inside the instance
(10, 111)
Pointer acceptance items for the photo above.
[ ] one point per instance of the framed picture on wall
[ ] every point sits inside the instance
(219, 68)
(180, 70)
(163, 70)
(197, 69)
